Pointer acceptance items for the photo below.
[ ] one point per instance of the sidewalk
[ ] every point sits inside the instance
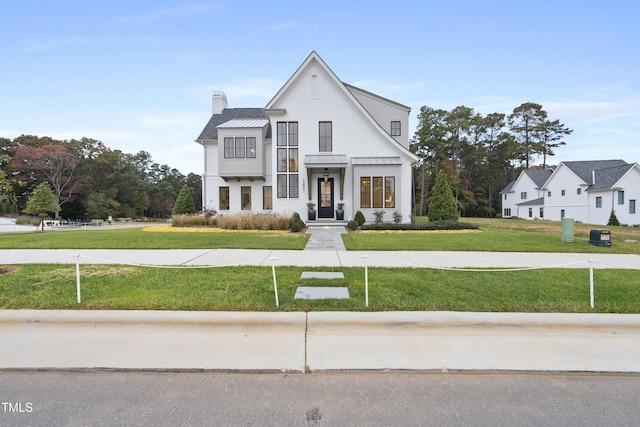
(319, 341)
(324, 258)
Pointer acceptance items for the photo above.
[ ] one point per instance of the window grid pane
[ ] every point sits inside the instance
(377, 192)
(282, 160)
(325, 137)
(282, 186)
(293, 134)
(251, 147)
(389, 192)
(395, 128)
(228, 148)
(621, 197)
(245, 194)
(365, 192)
(293, 160)
(240, 147)
(267, 197)
(293, 186)
(224, 198)
(282, 134)
(632, 206)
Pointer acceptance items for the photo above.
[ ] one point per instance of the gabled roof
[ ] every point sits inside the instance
(313, 56)
(210, 131)
(607, 178)
(584, 168)
(509, 187)
(539, 176)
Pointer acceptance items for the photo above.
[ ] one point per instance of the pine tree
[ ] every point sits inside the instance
(443, 205)
(184, 202)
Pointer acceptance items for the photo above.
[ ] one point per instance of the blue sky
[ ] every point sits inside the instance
(138, 75)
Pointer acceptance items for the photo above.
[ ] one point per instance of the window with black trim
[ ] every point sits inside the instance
(287, 160)
(395, 128)
(245, 198)
(267, 197)
(228, 148)
(224, 198)
(377, 192)
(251, 147)
(240, 147)
(326, 137)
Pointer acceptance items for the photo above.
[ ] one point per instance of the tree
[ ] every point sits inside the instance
(42, 202)
(526, 124)
(5, 185)
(551, 137)
(184, 202)
(52, 163)
(443, 205)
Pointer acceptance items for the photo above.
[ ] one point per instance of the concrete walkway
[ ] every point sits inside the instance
(325, 237)
(318, 341)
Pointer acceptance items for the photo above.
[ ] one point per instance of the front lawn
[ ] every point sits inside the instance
(138, 238)
(251, 289)
(496, 235)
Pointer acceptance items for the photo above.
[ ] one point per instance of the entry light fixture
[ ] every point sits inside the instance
(326, 174)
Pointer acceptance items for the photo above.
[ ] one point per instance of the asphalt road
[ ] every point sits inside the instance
(65, 398)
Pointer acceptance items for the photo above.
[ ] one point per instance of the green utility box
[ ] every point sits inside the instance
(600, 237)
(567, 229)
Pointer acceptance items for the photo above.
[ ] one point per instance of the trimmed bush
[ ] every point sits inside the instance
(613, 219)
(184, 203)
(297, 224)
(431, 225)
(397, 217)
(442, 206)
(359, 218)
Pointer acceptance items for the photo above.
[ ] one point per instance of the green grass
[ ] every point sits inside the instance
(498, 236)
(136, 238)
(251, 289)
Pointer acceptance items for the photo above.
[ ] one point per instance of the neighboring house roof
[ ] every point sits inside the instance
(584, 169)
(509, 187)
(607, 178)
(535, 202)
(210, 131)
(539, 176)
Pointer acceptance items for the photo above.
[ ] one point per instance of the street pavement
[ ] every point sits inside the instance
(319, 341)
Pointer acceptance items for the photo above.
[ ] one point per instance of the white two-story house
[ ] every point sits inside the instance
(318, 140)
(587, 191)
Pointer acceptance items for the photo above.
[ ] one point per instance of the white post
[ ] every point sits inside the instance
(78, 277)
(366, 280)
(591, 281)
(275, 283)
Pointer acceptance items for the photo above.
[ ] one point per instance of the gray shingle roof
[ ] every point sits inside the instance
(535, 202)
(606, 178)
(539, 176)
(210, 132)
(509, 187)
(584, 169)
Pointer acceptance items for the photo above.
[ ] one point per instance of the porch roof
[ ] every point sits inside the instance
(376, 161)
(325, 160)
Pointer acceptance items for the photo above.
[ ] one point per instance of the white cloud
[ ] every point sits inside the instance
(41, 45)
(184, 10)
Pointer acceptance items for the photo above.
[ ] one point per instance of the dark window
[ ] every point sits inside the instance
(251, 147)
(240, 147)
(282, 186)
(228, 148)
(326, 137)
(598, 201)
(395, 128)
(282, 134)
(224, 198)
(621, 197)
(579, 191)
(267, 197)
(632, 206)
(293, 134)
(282, 160)
(245, 198)
(293, 186)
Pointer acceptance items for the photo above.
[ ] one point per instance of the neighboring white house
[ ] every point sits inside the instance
(318, 140)
(587, 191)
